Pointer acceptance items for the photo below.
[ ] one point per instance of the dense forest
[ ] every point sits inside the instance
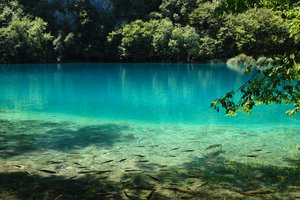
(141, 31)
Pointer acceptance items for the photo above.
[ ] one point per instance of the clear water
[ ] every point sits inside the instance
(152, 93)
(66, 117)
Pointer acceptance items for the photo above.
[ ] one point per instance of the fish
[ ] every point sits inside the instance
(174, 184)
(163, 166)
(47, 171)
(132, 170)
(203, 184)
(294, 187)
(143, 161)
(77, 163)
(104, 171)
(251, 156)
(54, 162)
(108, 161)
(150, 195)
(122, 160)
(154, 178)
(19, 166)
(213, 146)
(173, 156)
(82, 167)
(27, 173)
(175, 148)
(178, 189)
(73, 177)
(87, 172)
(127, 195)
(58, 197)
(257, 150)
(138, 155)
(188, 150)
(165, 170)
(106, 193)
(255, 192)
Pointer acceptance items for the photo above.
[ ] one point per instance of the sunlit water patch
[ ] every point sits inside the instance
(140, 131)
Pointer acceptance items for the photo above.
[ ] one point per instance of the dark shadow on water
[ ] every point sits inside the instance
(20, 185)
(27, 136)
(211, 177)
(100, 135)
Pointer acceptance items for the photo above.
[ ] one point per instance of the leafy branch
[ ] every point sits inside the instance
(278, 83)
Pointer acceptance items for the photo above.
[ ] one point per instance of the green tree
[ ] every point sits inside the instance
(177, 11)
(156, 39)
(136, 39)
(255, 32)
(276, 83)
(207, 24)
(22, 37)
(205, 19)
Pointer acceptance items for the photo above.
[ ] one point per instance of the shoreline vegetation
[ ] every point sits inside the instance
(193, 31)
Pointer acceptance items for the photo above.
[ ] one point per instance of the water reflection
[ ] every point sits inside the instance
(179, 93)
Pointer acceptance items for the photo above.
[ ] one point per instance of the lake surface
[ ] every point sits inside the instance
(118, 122)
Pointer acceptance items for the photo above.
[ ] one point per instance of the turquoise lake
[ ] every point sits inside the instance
(117, 122)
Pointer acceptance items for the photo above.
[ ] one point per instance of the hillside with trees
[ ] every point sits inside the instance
(145, 31)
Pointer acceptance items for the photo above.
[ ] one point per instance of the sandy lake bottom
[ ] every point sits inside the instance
(54, 158)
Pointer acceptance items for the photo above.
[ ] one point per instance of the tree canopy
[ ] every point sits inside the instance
(275, 80)
(138, 30)
(23, 38)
